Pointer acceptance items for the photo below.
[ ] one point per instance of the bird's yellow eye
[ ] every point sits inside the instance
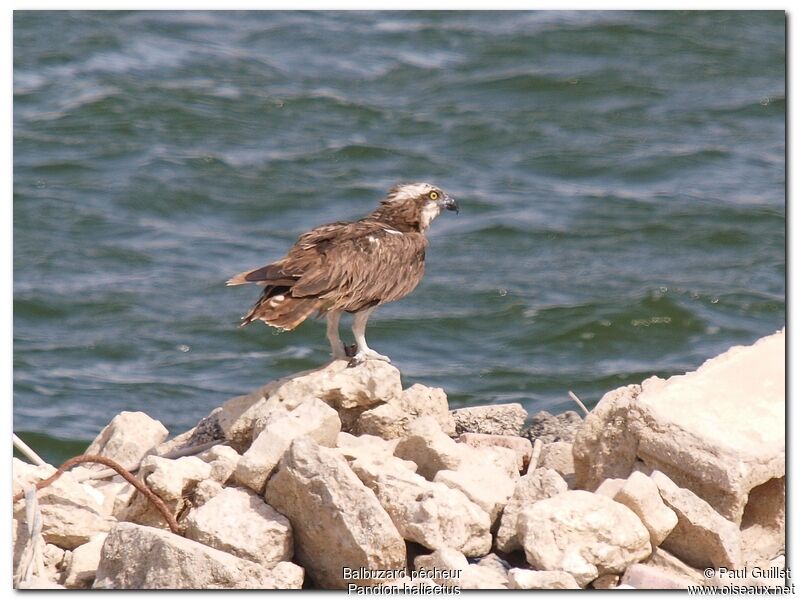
(433, 195)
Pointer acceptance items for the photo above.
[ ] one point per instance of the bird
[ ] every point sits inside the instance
(350, 267)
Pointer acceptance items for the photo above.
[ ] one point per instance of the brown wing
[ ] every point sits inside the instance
(357, 265)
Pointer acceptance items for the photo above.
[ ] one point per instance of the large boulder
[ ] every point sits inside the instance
(274, 434)
(718, 431)
(140, 557)
(348, 390)
(584, 534)
(519, 445)
(430, 514)
(496, 419)
(127, 439)
(82, 564)
(640, 494)
(702, 537)
(239, 522)
(391, 420)
(535, 486)
(336, 519)
(172, 480)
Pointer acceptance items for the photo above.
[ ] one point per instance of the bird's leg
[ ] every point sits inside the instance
(364, 352)
(338, 351)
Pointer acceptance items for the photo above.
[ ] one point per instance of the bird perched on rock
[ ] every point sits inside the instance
(350, 267)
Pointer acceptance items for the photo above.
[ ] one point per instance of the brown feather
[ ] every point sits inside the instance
(343, 266)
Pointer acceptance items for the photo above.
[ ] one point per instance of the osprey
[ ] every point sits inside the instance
(350, 267)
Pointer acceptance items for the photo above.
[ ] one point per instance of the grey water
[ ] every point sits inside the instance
(621, 177)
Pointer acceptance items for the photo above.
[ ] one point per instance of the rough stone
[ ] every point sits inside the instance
(522, 447)
(223, 461)
(274, 435)
(526, 579)
(127, 439)
(605, 446)
(666, 562)
(488, 488)
(205, 491)
(479, 577)
(582, 533)
(72, 512)
(553, 428)
(446, 566)
(141, 557)
(368, 467)
(83, 561)
(558, 456)
(430, 448)
(640, 494)
(610, 487)
(718, 431)
(702, 538)
(497, 419)
(172, 480)
(646, 577)
(239, 522)
(432, 514)
(541, 484)
(337, 521)
(609, 581)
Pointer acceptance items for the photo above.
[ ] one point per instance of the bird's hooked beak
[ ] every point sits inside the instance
(448, 203)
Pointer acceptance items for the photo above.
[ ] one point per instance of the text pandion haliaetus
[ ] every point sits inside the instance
(350, 267)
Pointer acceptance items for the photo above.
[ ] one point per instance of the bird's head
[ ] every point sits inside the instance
(417, 204)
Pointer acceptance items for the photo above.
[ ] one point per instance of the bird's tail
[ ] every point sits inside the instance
(278, 308)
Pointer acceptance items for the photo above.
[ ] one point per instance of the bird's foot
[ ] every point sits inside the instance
(365, 355)
(344, 352)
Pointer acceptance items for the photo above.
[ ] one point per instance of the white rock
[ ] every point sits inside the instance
(430, 448)
(610, 487)
(391, 421)
(239, 522)
(479, 577)
(521, 446)
(275, 434)
(172, 480)
(605, 446)
(369, 467)
(526, 579)
(420, 401)
(432, 514)
(541, 484)
(496, 419)
(702, 538)
(127, 439)
(666, 562)
(80, 570)
(140, 557)
(488, 488)
(349, 390)
(205, 491)
(446, 566)
(646, 577)
(337, 521)
(72, 512)
(718, 431)
(223, 460)
(584, 534)
(558, 456)
(640, 494)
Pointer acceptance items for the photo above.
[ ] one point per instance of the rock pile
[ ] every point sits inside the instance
(338, 477)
